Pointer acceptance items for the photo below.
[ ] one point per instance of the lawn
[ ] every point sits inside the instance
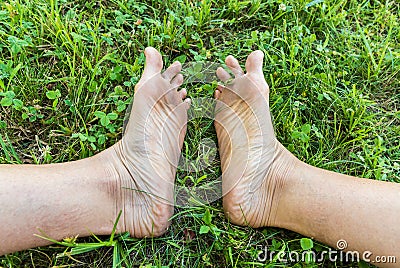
(333, 68)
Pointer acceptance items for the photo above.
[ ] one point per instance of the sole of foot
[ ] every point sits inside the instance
(142, 166)
(254, 164)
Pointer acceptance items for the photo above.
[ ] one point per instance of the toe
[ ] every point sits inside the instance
(233, 64)
(172, 70)
(177, 81)
(188, 102)
(254, 62)
(183, 93)
(223, 75)
(217, 94)
(154, 62)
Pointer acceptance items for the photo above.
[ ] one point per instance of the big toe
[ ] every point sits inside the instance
(254, 62)
(154, 62)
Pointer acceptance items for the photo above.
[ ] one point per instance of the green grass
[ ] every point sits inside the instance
(333, 67)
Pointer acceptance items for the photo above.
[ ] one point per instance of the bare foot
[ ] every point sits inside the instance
(254, 164)
(142, 165)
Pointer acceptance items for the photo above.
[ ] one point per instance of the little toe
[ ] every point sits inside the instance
(223, 75)
(172, 70)
(177, 81)
(233, 64)
(154, 62)
(188, 102)
(217, 94)
(254, 62)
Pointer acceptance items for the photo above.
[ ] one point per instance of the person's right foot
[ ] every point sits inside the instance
(254, 164)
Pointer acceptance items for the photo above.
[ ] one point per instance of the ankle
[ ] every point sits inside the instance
(143, 213)
(290, 194)
(258, 205)
(113, 183)
(279, 177)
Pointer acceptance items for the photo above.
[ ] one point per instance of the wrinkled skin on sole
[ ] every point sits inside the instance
(254, 163)
(143, 164)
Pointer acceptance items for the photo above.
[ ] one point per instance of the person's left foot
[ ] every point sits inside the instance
(142, 165)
